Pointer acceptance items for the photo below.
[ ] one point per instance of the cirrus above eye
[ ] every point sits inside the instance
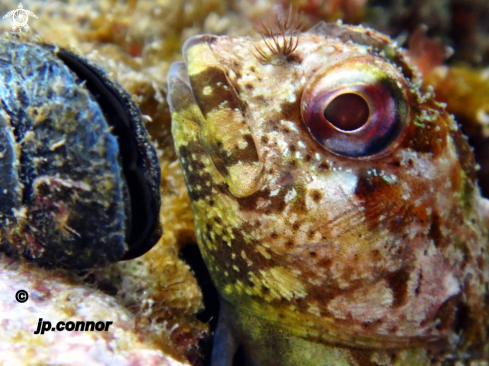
(356, 107)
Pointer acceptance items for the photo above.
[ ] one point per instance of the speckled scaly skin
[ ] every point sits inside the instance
(321, 258)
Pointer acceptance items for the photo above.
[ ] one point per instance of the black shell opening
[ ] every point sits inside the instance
(139, 162)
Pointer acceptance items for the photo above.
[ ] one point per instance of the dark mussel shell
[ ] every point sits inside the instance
(79, 177)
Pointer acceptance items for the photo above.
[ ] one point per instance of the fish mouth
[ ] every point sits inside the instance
(204, 82)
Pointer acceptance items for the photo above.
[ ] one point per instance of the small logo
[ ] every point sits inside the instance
(21, 296)
(20, 17)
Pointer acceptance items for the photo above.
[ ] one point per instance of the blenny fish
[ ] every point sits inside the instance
(335, 200)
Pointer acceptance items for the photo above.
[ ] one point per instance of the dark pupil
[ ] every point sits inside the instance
(347, 112)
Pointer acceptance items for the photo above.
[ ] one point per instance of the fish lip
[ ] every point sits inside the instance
(178, 69)
(196, 40)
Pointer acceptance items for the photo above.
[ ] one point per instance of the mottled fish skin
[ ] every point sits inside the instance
(378, 258)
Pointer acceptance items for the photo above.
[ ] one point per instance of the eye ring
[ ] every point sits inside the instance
(371, 106)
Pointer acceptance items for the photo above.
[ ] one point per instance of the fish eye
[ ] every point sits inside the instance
(347, 112)
(356, 107)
